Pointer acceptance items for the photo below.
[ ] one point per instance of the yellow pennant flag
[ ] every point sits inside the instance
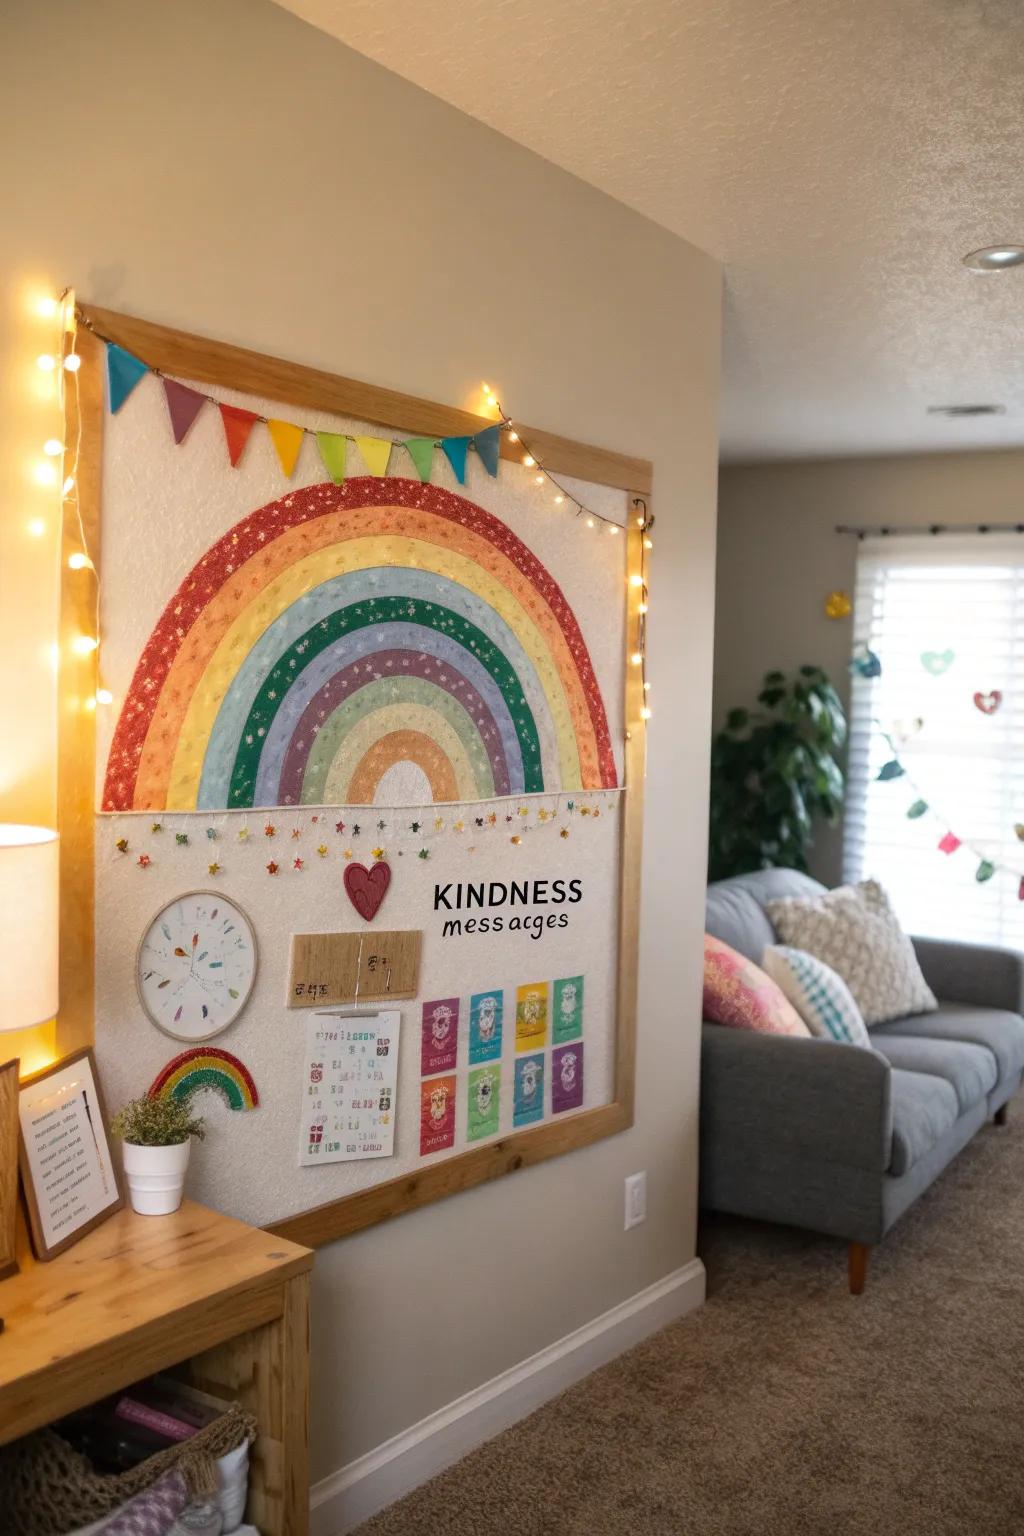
(375, 451)
(287, 440)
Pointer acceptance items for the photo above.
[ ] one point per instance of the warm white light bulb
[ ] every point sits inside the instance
(640, 520)
(90, 702)
(83, 645)
(52, 447)
(648, 543)
(104, 696)
(72, 362)
(559, 500)
(641, 607)
(529, 460)
(636, 580)
(590, 522)
(645, 713)
(513, 437)
(78, 561)
(46, 474)
(487, 389)
(37, 527)
(46, 307)
(647, 687)
(636, 658)
(46, 362)
(539, 479)
(613, 529)
(69, 485)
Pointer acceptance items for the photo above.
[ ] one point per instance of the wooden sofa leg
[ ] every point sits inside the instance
(858, 1263)
(1001, 1115)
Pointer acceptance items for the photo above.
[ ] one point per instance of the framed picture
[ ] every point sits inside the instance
(196, 965)
(69, 1177)
(8, 1167)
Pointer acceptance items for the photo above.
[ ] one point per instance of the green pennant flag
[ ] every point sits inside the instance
(333, 447)
(893, 769)
(986, 869)
(917, 809)
(421, 451)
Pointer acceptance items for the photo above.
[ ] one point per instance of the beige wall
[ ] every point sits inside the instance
(779, 556)
(223, 168)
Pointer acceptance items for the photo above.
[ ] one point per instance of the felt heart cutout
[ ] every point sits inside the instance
(988, 703)
(937, 662)
(366, 888)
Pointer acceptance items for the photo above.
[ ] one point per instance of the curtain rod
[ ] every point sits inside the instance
(883, 530)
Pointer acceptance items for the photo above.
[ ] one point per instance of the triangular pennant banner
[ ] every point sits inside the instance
(287, 440)
(421, 451)
(917, 809)
(456, 449)
(124, 370)
(332, 450)
(891, 770)
(949, 844)
(375, 451)
(985, 870)
(488, 446)
(183, 406)
(238, 423)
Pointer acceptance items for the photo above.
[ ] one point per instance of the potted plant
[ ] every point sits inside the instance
(773, 771)
(157, 1136)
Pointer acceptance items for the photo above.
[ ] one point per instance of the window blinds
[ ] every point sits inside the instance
(945, 617)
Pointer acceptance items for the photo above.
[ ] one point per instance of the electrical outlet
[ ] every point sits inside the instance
(636, 1199)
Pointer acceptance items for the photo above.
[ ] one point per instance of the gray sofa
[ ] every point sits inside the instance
(836, 1138)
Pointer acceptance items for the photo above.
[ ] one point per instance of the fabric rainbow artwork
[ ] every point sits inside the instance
(343, 630)
(204, 1066)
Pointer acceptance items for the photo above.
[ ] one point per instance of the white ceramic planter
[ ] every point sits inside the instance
(156, 1176)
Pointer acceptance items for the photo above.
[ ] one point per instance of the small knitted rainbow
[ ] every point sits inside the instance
(206, 1067)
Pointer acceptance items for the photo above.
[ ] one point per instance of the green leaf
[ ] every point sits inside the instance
(893, 769)
(917, 809)
(737, 719)
(986, 869)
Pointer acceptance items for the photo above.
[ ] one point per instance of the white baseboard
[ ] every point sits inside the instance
(351, 1495)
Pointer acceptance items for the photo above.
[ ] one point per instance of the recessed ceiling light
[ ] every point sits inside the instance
(967, 410)
(995, 258)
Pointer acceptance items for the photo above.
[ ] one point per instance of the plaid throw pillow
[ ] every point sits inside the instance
(820, 997)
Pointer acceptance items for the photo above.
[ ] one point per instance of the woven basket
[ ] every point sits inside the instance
(48, 1489)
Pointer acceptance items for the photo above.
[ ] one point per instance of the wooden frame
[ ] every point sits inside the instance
(43, 1250)
(9, 1168)
(216, 363)
(144, 935)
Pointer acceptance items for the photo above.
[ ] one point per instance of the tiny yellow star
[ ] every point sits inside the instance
(438, 823)
(523, 811)
(543, 814)
(348, 853)
(214, 868)
(378, 853)
(564, 832)
(322, 850)
(460, 826)
(243, 834)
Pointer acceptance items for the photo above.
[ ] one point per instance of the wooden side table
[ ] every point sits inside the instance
(199, 1295)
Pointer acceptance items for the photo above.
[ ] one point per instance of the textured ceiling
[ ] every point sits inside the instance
(838, 156)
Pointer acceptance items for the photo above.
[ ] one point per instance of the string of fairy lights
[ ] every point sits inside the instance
(59, 466)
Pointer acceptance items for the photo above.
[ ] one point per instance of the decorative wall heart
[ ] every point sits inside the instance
(366, 888)
(988, 703)
(937, 662)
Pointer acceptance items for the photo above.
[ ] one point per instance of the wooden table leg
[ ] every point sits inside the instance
(858, 1265)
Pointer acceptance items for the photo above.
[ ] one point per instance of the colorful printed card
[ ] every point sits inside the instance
(528, 1100)
(349, 1082)
(485, 1019)
(567, 1013)
(567, 1078)
(484, 1103)
(437, 1114)
(440, 1049)
(531, 1016)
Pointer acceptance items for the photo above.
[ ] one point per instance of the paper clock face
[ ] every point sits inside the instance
(196, 965)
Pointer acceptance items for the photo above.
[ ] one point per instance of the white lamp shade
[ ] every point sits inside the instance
(29, 902)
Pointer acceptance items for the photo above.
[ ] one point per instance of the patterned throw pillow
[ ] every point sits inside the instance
(854, 930)
(820, 997)
(738, 993)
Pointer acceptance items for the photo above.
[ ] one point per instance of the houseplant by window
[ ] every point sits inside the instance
(773, 772)
(157, 1136)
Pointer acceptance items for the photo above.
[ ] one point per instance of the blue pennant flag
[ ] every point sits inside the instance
(488, 446)
(124, 371)
(455, 449)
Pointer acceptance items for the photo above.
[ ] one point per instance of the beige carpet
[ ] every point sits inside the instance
(786, 1407)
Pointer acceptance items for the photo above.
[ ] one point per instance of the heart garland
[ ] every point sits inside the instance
(937, 662)
(366, 888)
(988, 703)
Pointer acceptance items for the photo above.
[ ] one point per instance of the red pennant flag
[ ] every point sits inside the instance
(949, 844)
(183, 406)
(237, 426)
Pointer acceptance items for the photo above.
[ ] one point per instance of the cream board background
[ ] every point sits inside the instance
(163, 506)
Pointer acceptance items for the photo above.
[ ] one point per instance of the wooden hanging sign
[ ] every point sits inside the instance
(329, 968)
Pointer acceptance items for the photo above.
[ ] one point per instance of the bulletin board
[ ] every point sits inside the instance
(370, 674)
